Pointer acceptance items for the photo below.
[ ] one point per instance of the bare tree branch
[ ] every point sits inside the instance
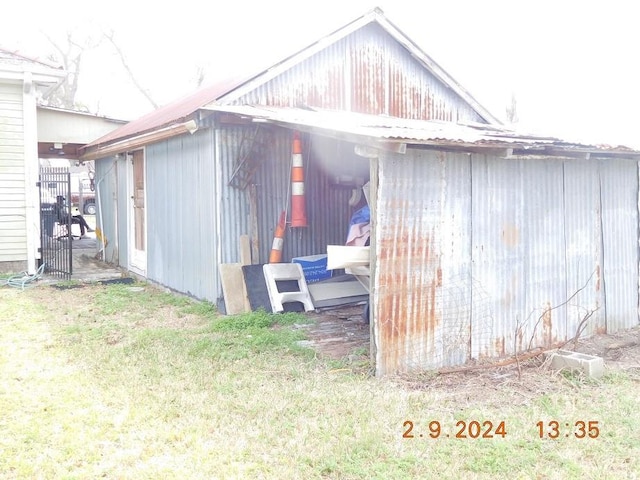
(70, 56)
(550, 309)
(109, 36)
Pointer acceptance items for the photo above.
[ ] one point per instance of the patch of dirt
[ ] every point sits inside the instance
(339, 333)
(619, 350)
(342, 334)
(522, 383)
(75, 303)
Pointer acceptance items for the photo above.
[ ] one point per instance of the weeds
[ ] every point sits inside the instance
(131, 383)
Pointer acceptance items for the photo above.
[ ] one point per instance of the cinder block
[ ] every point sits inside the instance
(591, 365)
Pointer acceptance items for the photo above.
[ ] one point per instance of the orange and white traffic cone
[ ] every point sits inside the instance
(278, 240)
(298, 207)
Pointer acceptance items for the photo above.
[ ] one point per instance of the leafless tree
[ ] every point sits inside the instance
(123, 59)
(74, 48)
(70, 56)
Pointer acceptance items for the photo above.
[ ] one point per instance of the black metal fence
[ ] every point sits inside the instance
(55, 221)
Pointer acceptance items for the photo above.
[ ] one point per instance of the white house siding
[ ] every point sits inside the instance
(13, 232)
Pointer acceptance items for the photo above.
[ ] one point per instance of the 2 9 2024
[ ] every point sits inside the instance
(463, 429)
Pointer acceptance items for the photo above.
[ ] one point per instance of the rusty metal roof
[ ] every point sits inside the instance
(228, 91)
(169, 114)
(415, 132)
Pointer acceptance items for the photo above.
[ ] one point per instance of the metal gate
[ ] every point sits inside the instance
(55, 221)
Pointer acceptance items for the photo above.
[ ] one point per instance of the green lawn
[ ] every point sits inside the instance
(113, 382)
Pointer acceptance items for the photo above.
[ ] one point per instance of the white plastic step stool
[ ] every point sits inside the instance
(274, 272)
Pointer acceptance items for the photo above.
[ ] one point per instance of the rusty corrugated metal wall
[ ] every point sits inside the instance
(479, 256)
(365, 72)
(422, 283)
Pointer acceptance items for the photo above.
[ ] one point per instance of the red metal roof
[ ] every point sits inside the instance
(173, 112)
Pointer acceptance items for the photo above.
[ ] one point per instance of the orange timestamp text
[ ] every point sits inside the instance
(461, 429)
(577, 429)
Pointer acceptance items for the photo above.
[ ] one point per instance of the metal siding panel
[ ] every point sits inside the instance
(498, 252)
(272, 191)
(518, 255)
(619, 193)
(367, 72)
(456, 266)
(544, 318)
(107, 188)
(234, 203)
(422, 275)
(319, 81)
(583, 246)
(181, 210)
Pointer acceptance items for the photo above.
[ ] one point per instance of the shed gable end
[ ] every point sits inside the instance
(368, 71)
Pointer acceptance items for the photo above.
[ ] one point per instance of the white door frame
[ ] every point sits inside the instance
(137, 255)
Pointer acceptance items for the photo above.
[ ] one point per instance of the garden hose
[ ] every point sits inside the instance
(24, 279)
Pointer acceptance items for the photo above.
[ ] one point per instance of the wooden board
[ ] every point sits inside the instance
(233, 288)
(245, 250)
(256, 287)
(253, 224)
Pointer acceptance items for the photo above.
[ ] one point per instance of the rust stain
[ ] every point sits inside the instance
(597, 278)
(510, 235)
(601, 329)
(499, 346)
(407, 294)
(547, 325)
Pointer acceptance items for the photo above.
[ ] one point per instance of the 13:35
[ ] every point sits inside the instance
(578, 429)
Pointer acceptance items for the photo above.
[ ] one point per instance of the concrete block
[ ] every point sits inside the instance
(591, 365)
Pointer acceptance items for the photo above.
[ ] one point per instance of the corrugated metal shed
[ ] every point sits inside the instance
(487, 241)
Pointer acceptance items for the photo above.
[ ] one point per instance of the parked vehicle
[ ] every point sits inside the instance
(83, 184)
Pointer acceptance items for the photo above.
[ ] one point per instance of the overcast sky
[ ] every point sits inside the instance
(572, 65)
